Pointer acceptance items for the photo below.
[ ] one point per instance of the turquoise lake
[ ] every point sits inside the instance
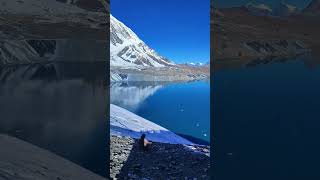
(183, 108)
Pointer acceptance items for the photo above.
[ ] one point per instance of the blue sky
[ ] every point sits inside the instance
(228, 3)
(176, 29)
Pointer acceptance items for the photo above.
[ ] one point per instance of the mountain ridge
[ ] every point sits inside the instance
(282, 10)
(313, 8)
(128, 50)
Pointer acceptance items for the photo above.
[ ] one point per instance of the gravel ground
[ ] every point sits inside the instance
(162, 161)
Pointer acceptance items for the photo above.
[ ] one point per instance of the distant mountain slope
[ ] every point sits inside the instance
(34, 31)
(52, 19)
(285, 10)
(313, 8)
(91, 5)
(259, 10)
(127, 50)
(282, 10)
(239, 34)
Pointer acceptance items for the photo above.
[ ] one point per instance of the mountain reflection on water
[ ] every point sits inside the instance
(131, 95)
(59, 107)
(183, 107)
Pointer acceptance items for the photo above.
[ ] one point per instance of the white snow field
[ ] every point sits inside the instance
(22, 160)
(126, 123)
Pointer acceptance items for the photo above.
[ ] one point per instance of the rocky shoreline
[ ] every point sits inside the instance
(165, 74)
(241, 35)
(162, 161)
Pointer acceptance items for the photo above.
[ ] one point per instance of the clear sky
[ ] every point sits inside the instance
(176, 29)
(229, 3)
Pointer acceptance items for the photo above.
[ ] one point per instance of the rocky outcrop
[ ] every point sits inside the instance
(162, 161)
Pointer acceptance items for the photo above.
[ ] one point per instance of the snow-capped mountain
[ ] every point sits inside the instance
(313, 8)
(128, 50)
(285, 9)
(259, 9)
(197, 64)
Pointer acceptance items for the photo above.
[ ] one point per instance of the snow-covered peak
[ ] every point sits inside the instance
(285, 9)
(259, 9)
(195, 64)
(120, 32)
(289, 6)
(128, 50)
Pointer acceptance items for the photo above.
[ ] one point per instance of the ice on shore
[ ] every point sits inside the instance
(126, 123)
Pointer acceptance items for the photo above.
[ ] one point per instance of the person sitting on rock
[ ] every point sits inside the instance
(145, 144)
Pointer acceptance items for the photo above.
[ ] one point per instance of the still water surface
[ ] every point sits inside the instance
(183, 108)
(58, 107)
(267, 121)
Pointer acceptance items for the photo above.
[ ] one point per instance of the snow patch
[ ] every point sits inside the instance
(126, 123)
